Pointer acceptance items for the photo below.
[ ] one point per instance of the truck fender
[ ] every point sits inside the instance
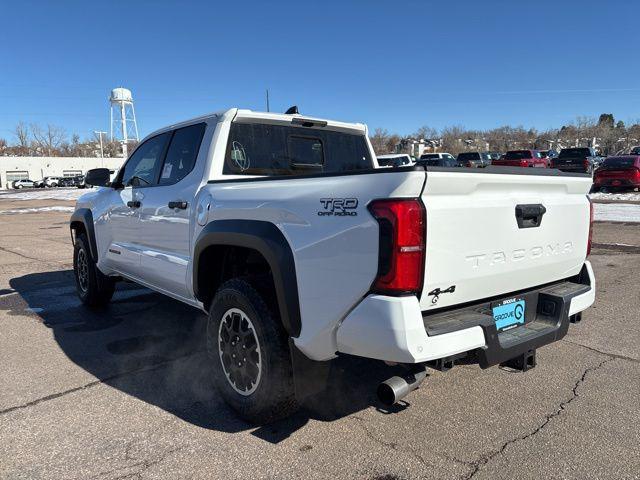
(85, 217)
(267, 239)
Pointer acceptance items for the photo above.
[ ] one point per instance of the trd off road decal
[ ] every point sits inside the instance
(338, 207)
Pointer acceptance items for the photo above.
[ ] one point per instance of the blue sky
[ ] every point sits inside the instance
(397, 65)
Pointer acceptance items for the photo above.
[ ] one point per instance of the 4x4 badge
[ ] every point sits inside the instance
(436, 292)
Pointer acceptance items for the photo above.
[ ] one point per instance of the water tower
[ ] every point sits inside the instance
(123, 117)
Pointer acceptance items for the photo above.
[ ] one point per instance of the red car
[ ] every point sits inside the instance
(522, 158)
(618, 173)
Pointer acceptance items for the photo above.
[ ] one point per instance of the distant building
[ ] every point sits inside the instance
(36, 168)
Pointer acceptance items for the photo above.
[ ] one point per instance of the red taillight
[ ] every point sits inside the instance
(401, 258)
(586, 164)
(589, 241)
(524, 163)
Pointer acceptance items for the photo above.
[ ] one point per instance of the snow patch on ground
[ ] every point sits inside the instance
(630, 196)
(71, 194)
(616, 212)
(55, 208)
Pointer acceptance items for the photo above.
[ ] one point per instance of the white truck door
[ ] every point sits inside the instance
(166, 212)
(122, 215)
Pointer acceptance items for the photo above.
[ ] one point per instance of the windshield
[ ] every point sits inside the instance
(427, 156)
(468, 156)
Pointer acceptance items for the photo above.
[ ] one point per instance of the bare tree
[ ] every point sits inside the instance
(48, 141)
(379, 140)
(22, 134)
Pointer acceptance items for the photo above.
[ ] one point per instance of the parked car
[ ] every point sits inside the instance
(473, 159)
(437, 160)
(66, 182)
(394, 160)
(79, 181)
(38, 183)
(621, 172)
(578, 159)
(495, 155)
(50, 181)
(522, 158)
(281, 229)
(24, 183)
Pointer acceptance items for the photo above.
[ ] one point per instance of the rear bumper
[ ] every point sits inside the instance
(394, 329)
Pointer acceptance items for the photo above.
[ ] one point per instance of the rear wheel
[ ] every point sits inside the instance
(93, 287)
(249, 352)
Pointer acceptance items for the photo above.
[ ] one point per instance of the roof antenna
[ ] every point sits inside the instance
(292, 110)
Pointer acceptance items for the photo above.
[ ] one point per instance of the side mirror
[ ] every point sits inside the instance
(98, 177)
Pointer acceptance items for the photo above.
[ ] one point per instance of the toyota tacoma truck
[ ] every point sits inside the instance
(299, 249)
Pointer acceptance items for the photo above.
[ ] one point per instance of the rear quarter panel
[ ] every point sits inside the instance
(336, 256)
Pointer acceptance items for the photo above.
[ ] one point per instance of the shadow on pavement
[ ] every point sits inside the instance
(152, 348)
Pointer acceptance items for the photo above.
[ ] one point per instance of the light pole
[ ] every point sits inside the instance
(99, 133)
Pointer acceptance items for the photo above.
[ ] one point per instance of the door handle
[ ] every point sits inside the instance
(134, 204)
(529, 216)
(179, 204)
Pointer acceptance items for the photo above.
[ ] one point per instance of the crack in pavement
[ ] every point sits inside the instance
(485, 459)
(608, 354)
(145, 464)
(89, 385)
(392, 445)
(27, 257)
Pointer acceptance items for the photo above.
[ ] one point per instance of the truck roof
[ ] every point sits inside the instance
(244, 115)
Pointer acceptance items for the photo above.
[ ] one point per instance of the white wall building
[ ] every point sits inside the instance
(36, 168)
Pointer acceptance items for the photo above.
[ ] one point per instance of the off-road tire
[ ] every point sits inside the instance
(93, 287)
(273, 397)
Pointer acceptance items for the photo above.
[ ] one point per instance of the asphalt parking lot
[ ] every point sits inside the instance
(125, 393)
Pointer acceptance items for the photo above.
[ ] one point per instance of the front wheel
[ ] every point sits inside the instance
(249, 352)
(94, 288)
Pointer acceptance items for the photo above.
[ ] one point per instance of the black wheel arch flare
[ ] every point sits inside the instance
(85, 217)
(267, 239)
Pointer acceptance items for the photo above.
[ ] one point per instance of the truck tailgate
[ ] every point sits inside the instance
(475, 247)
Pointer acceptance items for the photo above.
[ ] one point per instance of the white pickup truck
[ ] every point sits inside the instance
(282, 228)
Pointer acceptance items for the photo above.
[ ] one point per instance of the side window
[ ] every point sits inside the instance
(142, 167)
(182, 153)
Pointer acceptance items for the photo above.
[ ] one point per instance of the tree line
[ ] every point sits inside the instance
(34, 140)
(605, 133)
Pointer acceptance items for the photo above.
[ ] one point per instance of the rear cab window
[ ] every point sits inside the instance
(272, 150)
(620, 162)
(574, 152)
(517, 155)
(469, 156)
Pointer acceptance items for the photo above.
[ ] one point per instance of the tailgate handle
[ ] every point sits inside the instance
(530, 216)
